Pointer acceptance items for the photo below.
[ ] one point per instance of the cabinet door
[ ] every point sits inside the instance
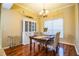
(30, 24)
(29, 27)
(35, 26)
(26, 26)
(32, 27)
(25, 34)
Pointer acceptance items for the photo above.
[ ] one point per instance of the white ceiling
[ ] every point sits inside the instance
(37, 7)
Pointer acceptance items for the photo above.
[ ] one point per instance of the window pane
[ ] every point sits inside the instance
(54, 26)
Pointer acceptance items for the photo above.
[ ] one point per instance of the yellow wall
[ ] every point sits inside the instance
(12, 25)
(69, 24)
(11, 21)
(0, 29)
(77, 28)
(68, 14)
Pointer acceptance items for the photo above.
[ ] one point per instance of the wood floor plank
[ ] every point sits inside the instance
(24, 50)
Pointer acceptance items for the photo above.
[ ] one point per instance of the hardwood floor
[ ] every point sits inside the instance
(24, 50)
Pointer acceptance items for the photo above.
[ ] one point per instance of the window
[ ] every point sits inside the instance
(54, 26)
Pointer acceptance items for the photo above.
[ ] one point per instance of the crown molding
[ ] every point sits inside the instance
(60, 8)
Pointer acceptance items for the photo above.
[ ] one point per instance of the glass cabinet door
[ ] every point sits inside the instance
(30, 24)
(34, 26)
(26, 26)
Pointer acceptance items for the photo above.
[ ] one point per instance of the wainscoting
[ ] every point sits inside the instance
(2, 53)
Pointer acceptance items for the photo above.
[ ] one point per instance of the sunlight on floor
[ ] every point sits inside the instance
(61, 51)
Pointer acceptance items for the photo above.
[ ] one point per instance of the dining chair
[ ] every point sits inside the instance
(53, 43)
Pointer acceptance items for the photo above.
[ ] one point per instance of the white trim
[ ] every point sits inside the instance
(20, 5)
(72, 45)
(77, 27)
(68, 43)
(25, 43)
(76, 50)
(6, 47)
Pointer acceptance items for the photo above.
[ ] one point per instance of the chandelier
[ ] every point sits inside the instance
(43, 12)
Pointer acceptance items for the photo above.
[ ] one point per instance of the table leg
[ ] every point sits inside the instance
(34, 47)
(30, 46)
(46, 49)
(39, 47)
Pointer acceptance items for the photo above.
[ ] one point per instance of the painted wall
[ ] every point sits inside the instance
(68, 14)
(12, 26)
(77, 28)
(69, 24)
(11, 21)
(0, 29)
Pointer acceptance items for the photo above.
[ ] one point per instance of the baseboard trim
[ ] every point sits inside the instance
(72, 45)
(24, 44)
(76, 50)
(6, 47)
(67, 43)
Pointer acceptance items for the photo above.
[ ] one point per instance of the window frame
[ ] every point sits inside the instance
(56, 19)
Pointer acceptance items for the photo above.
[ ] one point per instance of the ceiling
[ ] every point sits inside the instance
(37, 7)
(33, 9)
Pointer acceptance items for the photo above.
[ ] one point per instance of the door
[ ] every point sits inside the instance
(25, 38)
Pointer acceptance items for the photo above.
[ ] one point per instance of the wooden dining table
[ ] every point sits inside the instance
(41, 39)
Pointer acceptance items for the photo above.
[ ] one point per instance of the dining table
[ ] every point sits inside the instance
(41, 39)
